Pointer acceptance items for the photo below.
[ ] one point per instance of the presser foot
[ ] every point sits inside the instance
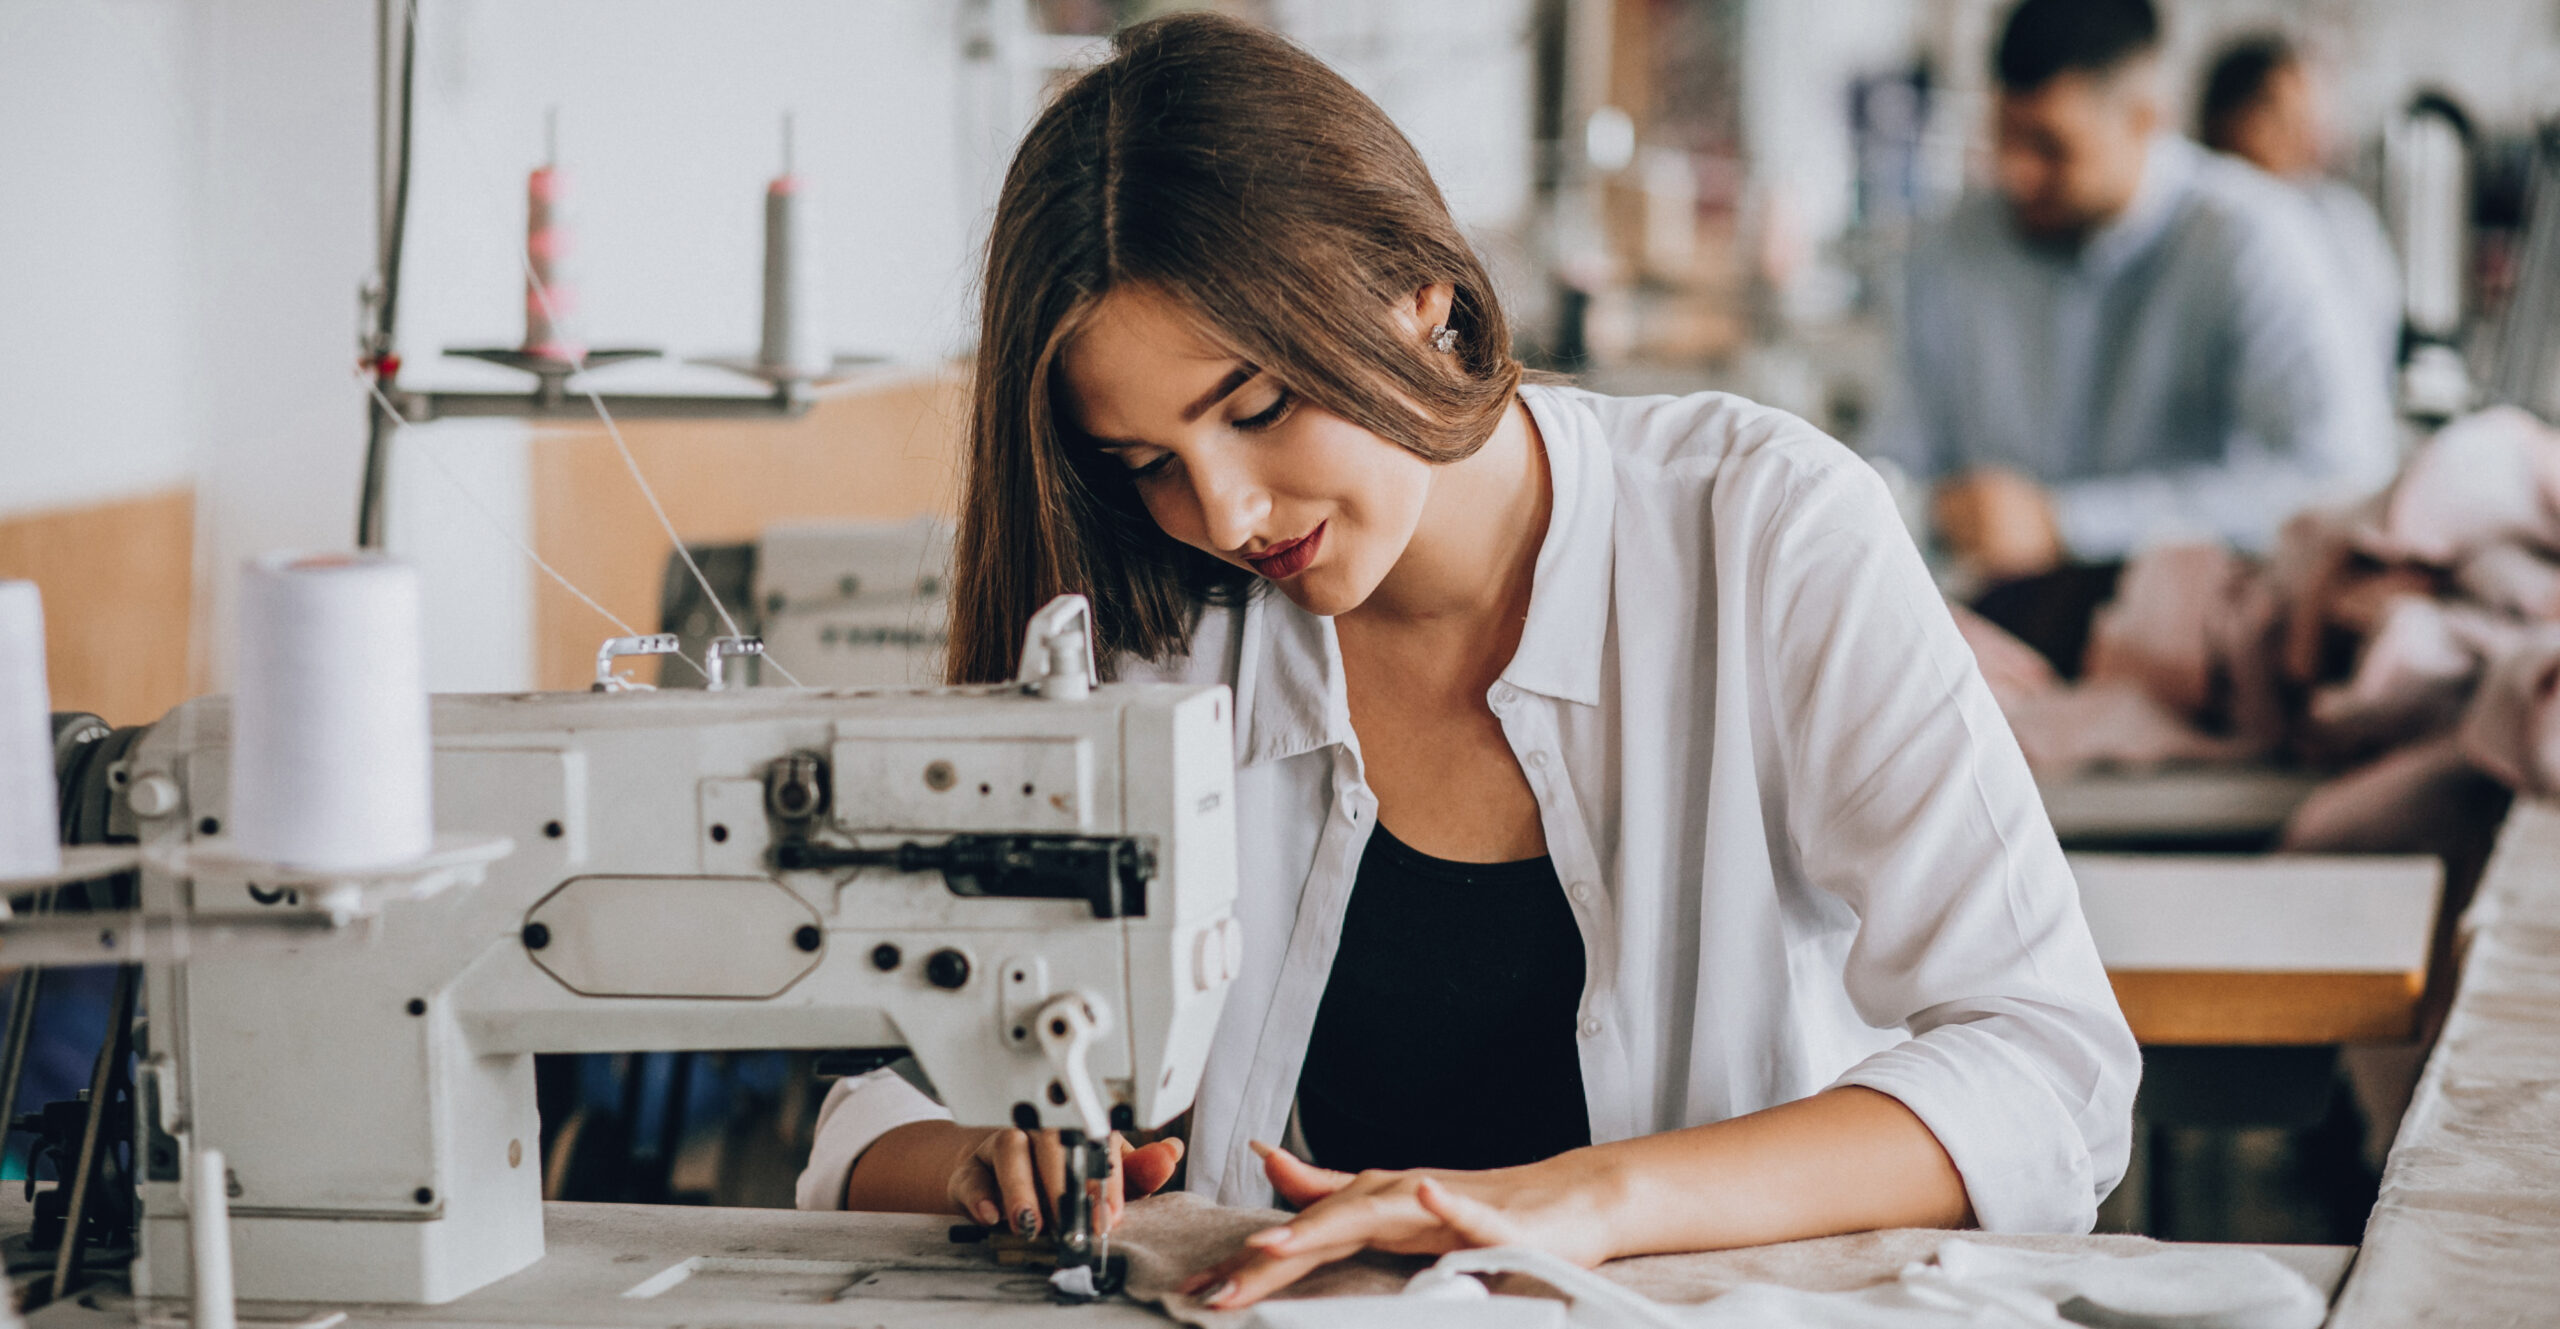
(1106, 1274)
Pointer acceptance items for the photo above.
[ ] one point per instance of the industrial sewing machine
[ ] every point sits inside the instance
(1029, 886)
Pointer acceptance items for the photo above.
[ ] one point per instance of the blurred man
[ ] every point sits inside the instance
(2132, 338)
(2262, 105)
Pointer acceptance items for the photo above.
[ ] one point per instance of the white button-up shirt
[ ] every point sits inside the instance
(1800, 843)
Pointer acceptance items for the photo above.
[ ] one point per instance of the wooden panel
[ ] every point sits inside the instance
(2213, 1008)
(2280, 949)
(888, 450)
(119, 597)
(2302, 913)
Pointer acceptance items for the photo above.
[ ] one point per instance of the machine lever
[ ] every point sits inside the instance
(1108, 873)
(1057, 650)
(616, 648)
(1069, 1024)
(724, 649)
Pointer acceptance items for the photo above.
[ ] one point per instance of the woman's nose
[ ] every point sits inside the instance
(1232, 505)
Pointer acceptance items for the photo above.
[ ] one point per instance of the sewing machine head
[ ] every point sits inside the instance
(1027, 886)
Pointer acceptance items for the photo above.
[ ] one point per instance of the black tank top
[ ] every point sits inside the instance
(1446, 1035)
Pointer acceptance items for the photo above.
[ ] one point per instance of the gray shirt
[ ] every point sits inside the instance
(2366, 264)
(2191, 369)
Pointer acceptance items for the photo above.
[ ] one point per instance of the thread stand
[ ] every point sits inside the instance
(87, 862)
(339, 894)
(552, 397)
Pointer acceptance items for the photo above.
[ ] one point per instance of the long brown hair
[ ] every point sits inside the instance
(1224, 167)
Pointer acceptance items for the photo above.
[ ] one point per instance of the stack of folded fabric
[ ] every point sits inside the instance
(2409, 644)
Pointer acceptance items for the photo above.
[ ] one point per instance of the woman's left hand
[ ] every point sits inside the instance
(1554, 1206)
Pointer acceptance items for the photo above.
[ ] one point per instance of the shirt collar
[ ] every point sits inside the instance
(1289, 690)
(1561, 645)
(2168, 166)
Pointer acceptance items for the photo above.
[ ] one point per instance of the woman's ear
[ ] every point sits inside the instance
(1428, 309)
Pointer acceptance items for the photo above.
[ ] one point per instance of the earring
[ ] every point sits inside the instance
(1444, 338)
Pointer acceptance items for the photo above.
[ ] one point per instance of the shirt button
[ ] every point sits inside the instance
(1538, 759)
(1591, 1026)
(1580, 891)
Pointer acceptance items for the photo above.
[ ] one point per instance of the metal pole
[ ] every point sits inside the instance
(102, 1078)
(397, 33)
(13, 1058)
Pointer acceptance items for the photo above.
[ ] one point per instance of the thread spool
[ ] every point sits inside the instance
(30, 825)
(330, 756)
(794, 336)
(209, 1243)
(550, 293)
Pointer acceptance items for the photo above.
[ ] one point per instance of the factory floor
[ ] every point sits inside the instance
(2245, 1145)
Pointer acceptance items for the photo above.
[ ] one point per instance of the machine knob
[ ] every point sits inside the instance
(947, 968)
(1218, 955)
(154, 795)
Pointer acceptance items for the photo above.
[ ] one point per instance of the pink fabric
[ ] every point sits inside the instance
(2371, 635)
(2485, 478)
(2015, 670)
(2387, 805)
(2110, 723)
(2513, 729)
(2512, 578)
(2410, 680)
(2160, 630)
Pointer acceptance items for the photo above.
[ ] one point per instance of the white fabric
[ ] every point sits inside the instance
(1968, 1286)
(1800, 842)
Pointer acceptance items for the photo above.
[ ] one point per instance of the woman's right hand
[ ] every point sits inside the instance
(1013, 1179)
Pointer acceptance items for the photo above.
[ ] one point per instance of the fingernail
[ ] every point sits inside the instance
(1221, 1292)
(1269, 1237)
(1194, 1283)
(988, 1214)
(1260, 1149)
(1026, 1221)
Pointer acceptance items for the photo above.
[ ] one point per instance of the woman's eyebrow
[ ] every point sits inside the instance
(1238, 377)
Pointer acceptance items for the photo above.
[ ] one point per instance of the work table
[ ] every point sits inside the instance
(2464, 1232)
(622, 1266)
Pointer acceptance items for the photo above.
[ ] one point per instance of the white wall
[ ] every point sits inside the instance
(97, 161)
(2501, 58)
(670, 115)
(186, 216)
(1455, 75)
(285, 238)
(1796, 70)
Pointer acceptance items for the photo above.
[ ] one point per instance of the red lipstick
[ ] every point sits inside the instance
(1290, 557)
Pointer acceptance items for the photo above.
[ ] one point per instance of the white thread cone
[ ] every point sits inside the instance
(209, 1243)
(330, 756)
(30, 825)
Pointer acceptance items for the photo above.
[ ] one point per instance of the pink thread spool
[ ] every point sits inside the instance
(550, 298)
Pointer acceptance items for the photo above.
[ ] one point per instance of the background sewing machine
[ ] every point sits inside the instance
(1030, 886)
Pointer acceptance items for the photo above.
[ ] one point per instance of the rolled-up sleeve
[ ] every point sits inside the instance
(1907, 799)
(858, 1110)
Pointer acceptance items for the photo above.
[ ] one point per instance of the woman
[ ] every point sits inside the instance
(1633, 859)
